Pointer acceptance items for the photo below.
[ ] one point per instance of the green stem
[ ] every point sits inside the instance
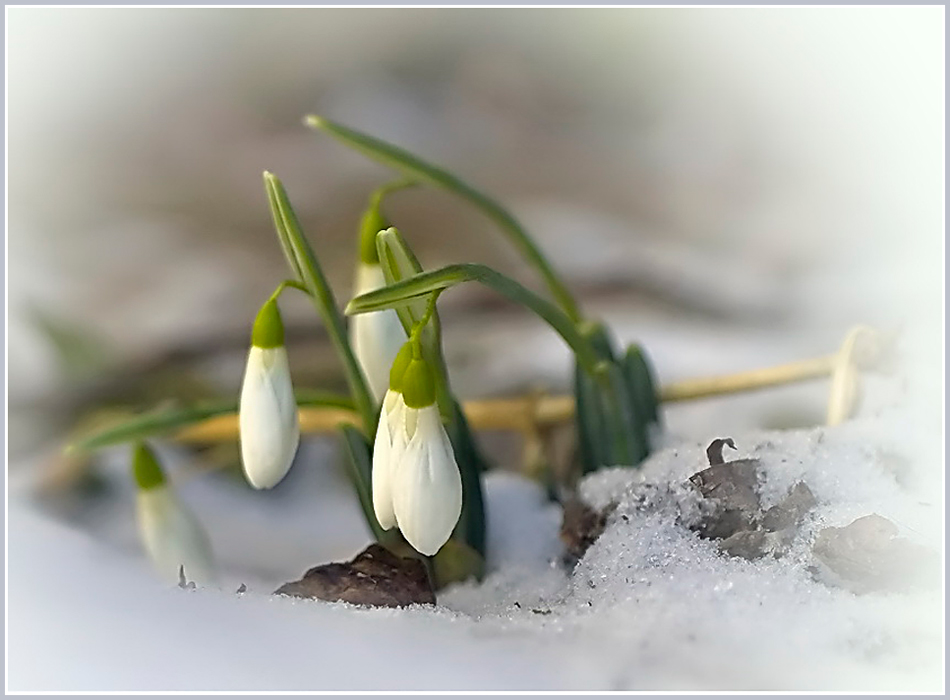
(415, 168)
(302, 258)
(451, 275)
(289, 283)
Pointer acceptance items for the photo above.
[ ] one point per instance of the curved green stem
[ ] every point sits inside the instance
(293, 284)
(417, 169)
(451, 275)
(302, 259)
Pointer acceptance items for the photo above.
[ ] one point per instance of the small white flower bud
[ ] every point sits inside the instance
(270, 430)
(416, 480)
(426, 484)
(376, 336)
(170, 534)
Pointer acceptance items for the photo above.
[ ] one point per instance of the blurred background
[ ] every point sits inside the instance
(732, 187)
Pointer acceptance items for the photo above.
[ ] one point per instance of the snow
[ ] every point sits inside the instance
(650, 606)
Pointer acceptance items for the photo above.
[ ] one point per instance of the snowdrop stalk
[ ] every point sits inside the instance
(416, 481)
(270, 430)
(170, 534)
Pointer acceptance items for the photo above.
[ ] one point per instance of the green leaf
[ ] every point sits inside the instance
(639, 378)
(418, 169)
(359, 464)
(628, 427)
(301, 258)
(446, 277)
(168, 420)
(398, 263)
(593, 438)
(642, 381)
(471, 525)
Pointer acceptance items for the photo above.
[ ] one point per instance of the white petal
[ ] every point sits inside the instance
(427, 486)
(377, 336)
(270, 430)
(172, 537)
(382, 460)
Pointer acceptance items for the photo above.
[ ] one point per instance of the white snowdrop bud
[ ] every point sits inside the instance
(170, 534)
(426, 485)
(376, 336)
(270, 430)
(416, 480)
(390, 442)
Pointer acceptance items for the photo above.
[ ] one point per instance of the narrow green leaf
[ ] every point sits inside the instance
(163, 421)
(359, 464)
(418, 169)
(591, 427)
(398, 263)
(304, 262)
(640, 376)
(451, 275)
(471, 525)
(629, 427)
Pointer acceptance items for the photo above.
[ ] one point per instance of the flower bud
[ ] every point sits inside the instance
(270, 430)
(170, 534)
(416, 480)
(426, 484)
(376, 336)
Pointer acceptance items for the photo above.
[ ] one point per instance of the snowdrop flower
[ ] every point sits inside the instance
(416, 480)
(170, 534)
(270, 430)
(376, 336)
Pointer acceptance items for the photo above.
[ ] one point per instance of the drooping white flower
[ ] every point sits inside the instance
(270, 430)
(426, 484)
(389, 444)
(416, 480)
(171, 535)
(375, 336)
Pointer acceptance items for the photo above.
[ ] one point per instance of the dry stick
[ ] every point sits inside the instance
(524, 414)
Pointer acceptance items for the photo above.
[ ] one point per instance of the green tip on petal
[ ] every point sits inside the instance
(418, 384)
(148, 474)
(372, 223)
(400, 364)
(268, 327)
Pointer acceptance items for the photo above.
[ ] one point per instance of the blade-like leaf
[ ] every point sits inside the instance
(359, 463)
(593, 438)
(451, 275)
(628, 428)
(398, 263)
(642, 381)
(303, 261)
(471, 525)
(417, 169)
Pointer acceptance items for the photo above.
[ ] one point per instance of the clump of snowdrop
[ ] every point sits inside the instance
(172, 537)
(270, 429)
(416, 480)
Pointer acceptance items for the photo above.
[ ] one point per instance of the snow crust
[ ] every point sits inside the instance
(650, 606)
